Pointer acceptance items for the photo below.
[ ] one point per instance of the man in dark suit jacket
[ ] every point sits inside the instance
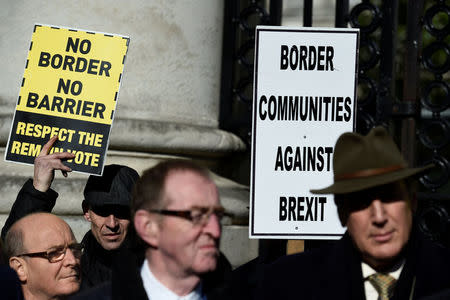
(382, 255)
(176, 216)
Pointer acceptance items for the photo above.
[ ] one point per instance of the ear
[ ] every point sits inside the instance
(85, 207)
(19, 266)
(147, 227)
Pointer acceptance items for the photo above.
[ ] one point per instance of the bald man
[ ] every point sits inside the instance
(43, 251)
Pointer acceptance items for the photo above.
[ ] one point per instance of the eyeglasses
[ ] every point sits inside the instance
(58, 254)
(197, 215)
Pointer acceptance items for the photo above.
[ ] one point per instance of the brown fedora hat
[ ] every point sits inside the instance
(361, 162)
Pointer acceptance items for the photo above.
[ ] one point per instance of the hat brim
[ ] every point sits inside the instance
(362, 183)
(99, 199)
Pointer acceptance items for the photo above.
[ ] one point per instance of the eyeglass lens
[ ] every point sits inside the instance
(201, 215)
(58, 254)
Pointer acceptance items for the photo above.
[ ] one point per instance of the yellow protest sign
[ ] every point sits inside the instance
(70, 89)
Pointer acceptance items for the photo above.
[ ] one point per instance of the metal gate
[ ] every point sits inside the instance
(403, 82)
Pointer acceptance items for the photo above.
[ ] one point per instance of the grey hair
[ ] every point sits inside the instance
(13, 242)
(148, 191)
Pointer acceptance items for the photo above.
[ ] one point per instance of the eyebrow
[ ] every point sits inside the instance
(60, 246)
(206, 207)
(51, 248)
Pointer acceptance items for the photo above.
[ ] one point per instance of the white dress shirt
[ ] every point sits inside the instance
(157, 291)
(371, 292)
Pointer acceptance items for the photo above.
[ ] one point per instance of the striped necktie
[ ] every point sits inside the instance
(384, 284)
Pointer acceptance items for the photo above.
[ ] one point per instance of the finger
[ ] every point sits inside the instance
(58, 165)
(46, 148)
(53, 161)
(64, 168)
(60, 156)
(64, 173)
(50, 161)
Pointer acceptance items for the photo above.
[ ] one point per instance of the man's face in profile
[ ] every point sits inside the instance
(379, 220)
(187, 247)
(42, 278)
(109, 224)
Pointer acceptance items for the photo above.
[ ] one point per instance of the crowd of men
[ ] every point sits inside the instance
(157, 236)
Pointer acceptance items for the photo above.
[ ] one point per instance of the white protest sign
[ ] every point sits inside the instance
(304, 99)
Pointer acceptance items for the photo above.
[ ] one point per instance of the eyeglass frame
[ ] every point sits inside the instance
(46, 254)
(219, 211)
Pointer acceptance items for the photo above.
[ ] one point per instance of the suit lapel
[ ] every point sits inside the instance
(342, 275)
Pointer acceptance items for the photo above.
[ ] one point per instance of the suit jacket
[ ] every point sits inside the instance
(334, 272)
(443, 295)
(10, 286)
(126, 282)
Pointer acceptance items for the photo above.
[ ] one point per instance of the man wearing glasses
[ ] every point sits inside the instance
(42, 249)
(106, 206)
(176, 214)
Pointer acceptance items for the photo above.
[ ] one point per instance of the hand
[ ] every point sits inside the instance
(45, 165)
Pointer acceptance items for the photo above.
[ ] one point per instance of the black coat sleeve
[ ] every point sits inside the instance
(29, 200)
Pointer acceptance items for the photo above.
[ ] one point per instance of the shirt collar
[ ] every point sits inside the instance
(156, 290)
(394, 271)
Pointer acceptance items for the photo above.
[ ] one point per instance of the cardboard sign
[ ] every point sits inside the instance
(304, 99)
(70, 89)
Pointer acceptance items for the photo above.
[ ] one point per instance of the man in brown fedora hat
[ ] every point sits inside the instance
(382, 255)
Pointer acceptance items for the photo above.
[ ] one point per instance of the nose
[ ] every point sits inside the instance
(213, 227)
(112, 223)
(70, 259)
(378, 212)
